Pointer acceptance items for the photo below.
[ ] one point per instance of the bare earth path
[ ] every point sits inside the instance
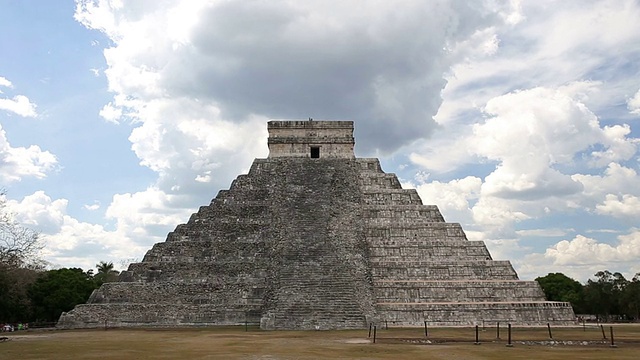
(235, 343)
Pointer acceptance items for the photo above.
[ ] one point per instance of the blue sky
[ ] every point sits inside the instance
(520, 120)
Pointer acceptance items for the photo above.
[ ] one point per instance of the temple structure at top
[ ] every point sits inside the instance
(315, 238)
(312, 139)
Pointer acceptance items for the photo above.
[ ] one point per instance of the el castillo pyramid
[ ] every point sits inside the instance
(315, 238)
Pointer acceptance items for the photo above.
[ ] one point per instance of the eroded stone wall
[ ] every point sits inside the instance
(332, 139)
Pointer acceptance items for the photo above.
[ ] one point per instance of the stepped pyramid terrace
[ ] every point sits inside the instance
(315, 238)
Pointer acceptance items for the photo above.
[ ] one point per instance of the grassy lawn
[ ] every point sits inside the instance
(394, 343)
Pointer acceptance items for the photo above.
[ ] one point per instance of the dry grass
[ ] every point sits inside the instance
(235, 343)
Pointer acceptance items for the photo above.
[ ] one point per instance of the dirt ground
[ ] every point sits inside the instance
(393, 343)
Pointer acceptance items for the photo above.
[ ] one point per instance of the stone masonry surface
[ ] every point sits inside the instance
(316, 239)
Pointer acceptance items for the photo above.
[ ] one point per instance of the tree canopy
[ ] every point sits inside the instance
(559, 287)
(608, 295)
(28, 295)
(59, 290)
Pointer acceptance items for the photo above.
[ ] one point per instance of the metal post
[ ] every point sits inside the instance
(374, 333)
(549, 328)
(604, 336)
(426, 331)
(477, 339)
(370, 325)
(498, 330)
(509, 344)
(612, 343)
(386, 326)
(246, 326)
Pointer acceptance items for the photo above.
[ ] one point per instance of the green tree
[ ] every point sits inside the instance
(603, 295)
(559, 287)
(106, 273)
(619, 287)
(631, 298)
(15, 305)
(59, 290)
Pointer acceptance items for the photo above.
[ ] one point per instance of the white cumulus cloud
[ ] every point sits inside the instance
(634, 103)
(625, 205)
(536, 138)
(584, 250)
(39, 212)
(581, 257)
(147, 215)
(20, 105)
(4, 82)
(453, 198)
(616, 179)
(68, 240)
(17, 163)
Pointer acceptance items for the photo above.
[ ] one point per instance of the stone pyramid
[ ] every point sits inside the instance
(315, 238)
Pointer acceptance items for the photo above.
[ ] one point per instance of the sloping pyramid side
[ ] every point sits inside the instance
(425, 269)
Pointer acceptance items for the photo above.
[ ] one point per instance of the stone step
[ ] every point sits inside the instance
(429, 256)
(540, 303)
(408, 211)
(391, 197)
(462, 273)
(439, 263)
(461, 290)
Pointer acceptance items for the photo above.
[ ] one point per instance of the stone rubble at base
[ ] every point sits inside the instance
(315, 238)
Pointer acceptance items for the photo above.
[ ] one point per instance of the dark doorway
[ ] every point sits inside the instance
(315, 152)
